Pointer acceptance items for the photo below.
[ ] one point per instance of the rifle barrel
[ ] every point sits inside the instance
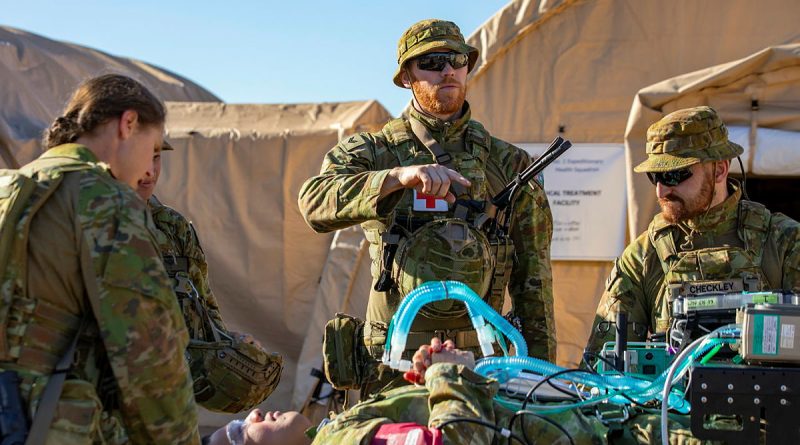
(556, 149)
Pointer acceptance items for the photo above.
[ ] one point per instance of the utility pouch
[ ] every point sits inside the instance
(13, 424)
(344, 352)
(503, 251)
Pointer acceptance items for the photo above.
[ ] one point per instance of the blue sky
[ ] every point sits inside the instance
(255, 51)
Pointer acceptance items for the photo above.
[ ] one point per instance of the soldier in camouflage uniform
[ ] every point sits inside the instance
(706, 230)
(246, 374)
(83, 266)
(178, 242)
(401, 183)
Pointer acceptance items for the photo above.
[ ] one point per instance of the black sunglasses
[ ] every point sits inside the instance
(436, 61)
(670, 178)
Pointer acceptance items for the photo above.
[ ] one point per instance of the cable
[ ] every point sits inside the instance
(602, 359)
(611, 368)
(502, 431)
(744, 178)
(525, 430)
(668, 383)
(530, 394)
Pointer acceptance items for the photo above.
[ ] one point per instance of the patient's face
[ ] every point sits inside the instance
(275, 427)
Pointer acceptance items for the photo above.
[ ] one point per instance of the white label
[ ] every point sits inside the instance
(428, 203)
(787, 336)
(769, 341)
(414, 437)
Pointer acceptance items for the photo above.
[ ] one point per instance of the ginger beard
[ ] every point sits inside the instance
(676, 209)
(437, 100)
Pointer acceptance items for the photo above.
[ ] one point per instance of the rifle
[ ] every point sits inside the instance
(502, 204)
(13, 424)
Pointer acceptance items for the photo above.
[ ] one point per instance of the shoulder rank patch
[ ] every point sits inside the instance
(353, 141)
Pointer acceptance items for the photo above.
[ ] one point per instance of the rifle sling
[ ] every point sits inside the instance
(442, 157)
(40, 426)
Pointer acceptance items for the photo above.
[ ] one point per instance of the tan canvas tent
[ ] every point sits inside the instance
(759, 94)
(38, 75)
(573, 65)
(236, 172)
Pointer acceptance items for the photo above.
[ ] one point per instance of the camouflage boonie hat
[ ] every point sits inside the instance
(429, 36)
(686, 137)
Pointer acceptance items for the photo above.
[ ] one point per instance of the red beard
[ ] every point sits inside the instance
(675, 209)
(437, 101)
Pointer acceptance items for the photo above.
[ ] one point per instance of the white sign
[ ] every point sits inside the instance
(587, 194)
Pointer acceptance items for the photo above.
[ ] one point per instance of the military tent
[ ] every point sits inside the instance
(39, 74)
(572, 67)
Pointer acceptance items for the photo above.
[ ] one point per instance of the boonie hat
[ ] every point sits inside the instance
(687, 137)
(428, 36)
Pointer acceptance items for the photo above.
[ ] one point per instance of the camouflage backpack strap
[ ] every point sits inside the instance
(754, 224)
(400, 140)
(478, 140)
(22, 193)
(442, 157)
(663, 241)
(48, 402)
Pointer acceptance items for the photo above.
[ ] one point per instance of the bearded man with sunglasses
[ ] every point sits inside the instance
(706, 231)
(419, 188)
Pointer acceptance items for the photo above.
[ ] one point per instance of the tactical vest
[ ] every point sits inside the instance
(177, 265)
(228, 375)
(744, 266)
(449, 245)
(22, 193)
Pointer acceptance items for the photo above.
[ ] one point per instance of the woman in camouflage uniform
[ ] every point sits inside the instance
(83, 267)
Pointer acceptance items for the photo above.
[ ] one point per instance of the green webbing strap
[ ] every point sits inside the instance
(442, 157)
(40, 426)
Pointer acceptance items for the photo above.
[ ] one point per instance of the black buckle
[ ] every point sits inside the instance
(444, 158)
(446, 334)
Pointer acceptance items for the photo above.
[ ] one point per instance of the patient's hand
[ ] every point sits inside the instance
(436, 352)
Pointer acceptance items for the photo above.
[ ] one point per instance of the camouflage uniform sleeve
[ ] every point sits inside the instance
(450, 391)
(531, 283)
(456, 391)
(359, 424)
(346, 191)
(627, 290)
(140, 324)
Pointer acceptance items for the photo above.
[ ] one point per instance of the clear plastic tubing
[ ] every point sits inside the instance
(503, 368)
(479, 313)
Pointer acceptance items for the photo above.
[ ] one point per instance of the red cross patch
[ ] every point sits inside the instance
(429, 203)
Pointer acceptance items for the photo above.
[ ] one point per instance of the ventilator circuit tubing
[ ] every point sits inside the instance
(614, 388)
(479, 313)
(617, 388)
(677, 369)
